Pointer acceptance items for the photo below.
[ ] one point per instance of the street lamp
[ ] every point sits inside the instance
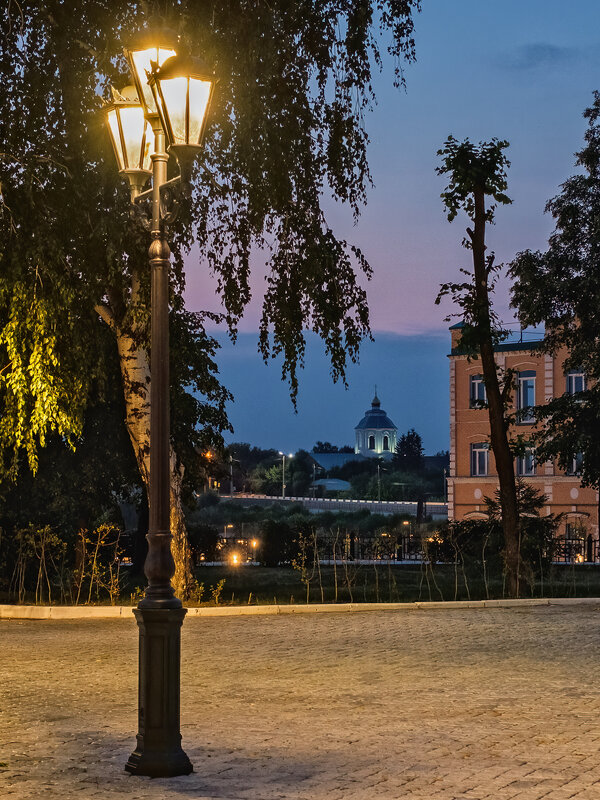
(159, 614)
(291, 455)
(151, 46)
(130, 137)
(182, 90)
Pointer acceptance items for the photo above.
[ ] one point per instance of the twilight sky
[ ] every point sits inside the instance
(525, 75)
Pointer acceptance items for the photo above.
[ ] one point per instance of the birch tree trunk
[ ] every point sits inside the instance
(135, 373)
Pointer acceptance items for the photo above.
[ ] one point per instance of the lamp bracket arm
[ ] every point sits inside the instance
(171, 193)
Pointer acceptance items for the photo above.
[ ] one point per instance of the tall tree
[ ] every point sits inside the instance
(560, 288)
(325, 447)
(478, 172)
(287, 124)
(409, 452)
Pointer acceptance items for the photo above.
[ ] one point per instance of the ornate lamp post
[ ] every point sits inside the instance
(178, 109)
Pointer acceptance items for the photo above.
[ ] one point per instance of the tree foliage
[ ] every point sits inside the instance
(560, 288)
(483, 168)
(287, 127)
(409, 451)
(476, 173)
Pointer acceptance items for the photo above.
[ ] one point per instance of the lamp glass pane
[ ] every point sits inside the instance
(148, 150)
(174, 92)
(113, 124)
(141, 60)
(134, 125)
(199, 97)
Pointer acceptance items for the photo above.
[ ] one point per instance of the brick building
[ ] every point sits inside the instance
(472, 471)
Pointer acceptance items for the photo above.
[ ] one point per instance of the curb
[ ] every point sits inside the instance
(126, 612)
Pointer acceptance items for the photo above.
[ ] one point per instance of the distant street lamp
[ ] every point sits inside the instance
(291, 455)
(379, 468)
(176, 109)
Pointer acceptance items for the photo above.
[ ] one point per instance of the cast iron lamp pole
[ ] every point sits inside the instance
(159, 614)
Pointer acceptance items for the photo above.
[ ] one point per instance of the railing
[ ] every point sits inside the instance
(522, 335)
(436, 510)
(577, 550)
(403, 548)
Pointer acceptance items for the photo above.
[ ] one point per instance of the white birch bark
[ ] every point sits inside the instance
(135, 373)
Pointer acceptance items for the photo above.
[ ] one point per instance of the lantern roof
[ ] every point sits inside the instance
(155, 35)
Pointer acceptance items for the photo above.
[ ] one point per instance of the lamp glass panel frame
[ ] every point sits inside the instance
(141, 66)
(183, 103)
(129, 135)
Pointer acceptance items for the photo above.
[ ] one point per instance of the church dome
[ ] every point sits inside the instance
(375, 418)
(375, 434)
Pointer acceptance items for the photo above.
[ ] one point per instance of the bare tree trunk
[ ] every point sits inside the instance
(496, 398)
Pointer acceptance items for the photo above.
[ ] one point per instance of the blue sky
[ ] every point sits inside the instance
(522, 70)
(411, 374)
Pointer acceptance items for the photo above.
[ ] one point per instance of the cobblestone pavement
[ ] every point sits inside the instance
(469, 704)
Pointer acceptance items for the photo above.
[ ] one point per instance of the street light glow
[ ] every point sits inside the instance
(150, 46)
(182, 89)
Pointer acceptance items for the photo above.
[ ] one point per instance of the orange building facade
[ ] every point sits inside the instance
(473, 476)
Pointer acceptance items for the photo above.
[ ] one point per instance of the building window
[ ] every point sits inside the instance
(526, 396)
(371, 443)
(576, 381)
(526, 463)
(480, 458)
(386, 442)
(575, 464)
(477, 393)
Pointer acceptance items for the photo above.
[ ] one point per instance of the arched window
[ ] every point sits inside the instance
(371, 442)
(386, 443)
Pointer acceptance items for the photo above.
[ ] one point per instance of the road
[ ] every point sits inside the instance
(484, 704)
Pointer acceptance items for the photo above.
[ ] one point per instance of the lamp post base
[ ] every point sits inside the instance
(158, 753)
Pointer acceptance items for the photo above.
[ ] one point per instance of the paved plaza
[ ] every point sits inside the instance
(467, 703)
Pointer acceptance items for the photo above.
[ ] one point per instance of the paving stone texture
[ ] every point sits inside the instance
(465, 704)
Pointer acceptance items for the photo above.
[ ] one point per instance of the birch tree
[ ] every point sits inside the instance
(287, 126)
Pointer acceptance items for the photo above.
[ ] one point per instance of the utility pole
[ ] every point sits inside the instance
(291, 455)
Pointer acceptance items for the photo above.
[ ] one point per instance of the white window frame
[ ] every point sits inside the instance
(526, 463)
(576, 464)
(480, 459)
(525, 416)
(474, 400)
(572, 377)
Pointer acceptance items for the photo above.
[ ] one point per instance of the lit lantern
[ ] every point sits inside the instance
(182, 89)
(130, 136)
(151, 46)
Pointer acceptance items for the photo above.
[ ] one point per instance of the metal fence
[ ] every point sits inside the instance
(577, 550)
(394, 548)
